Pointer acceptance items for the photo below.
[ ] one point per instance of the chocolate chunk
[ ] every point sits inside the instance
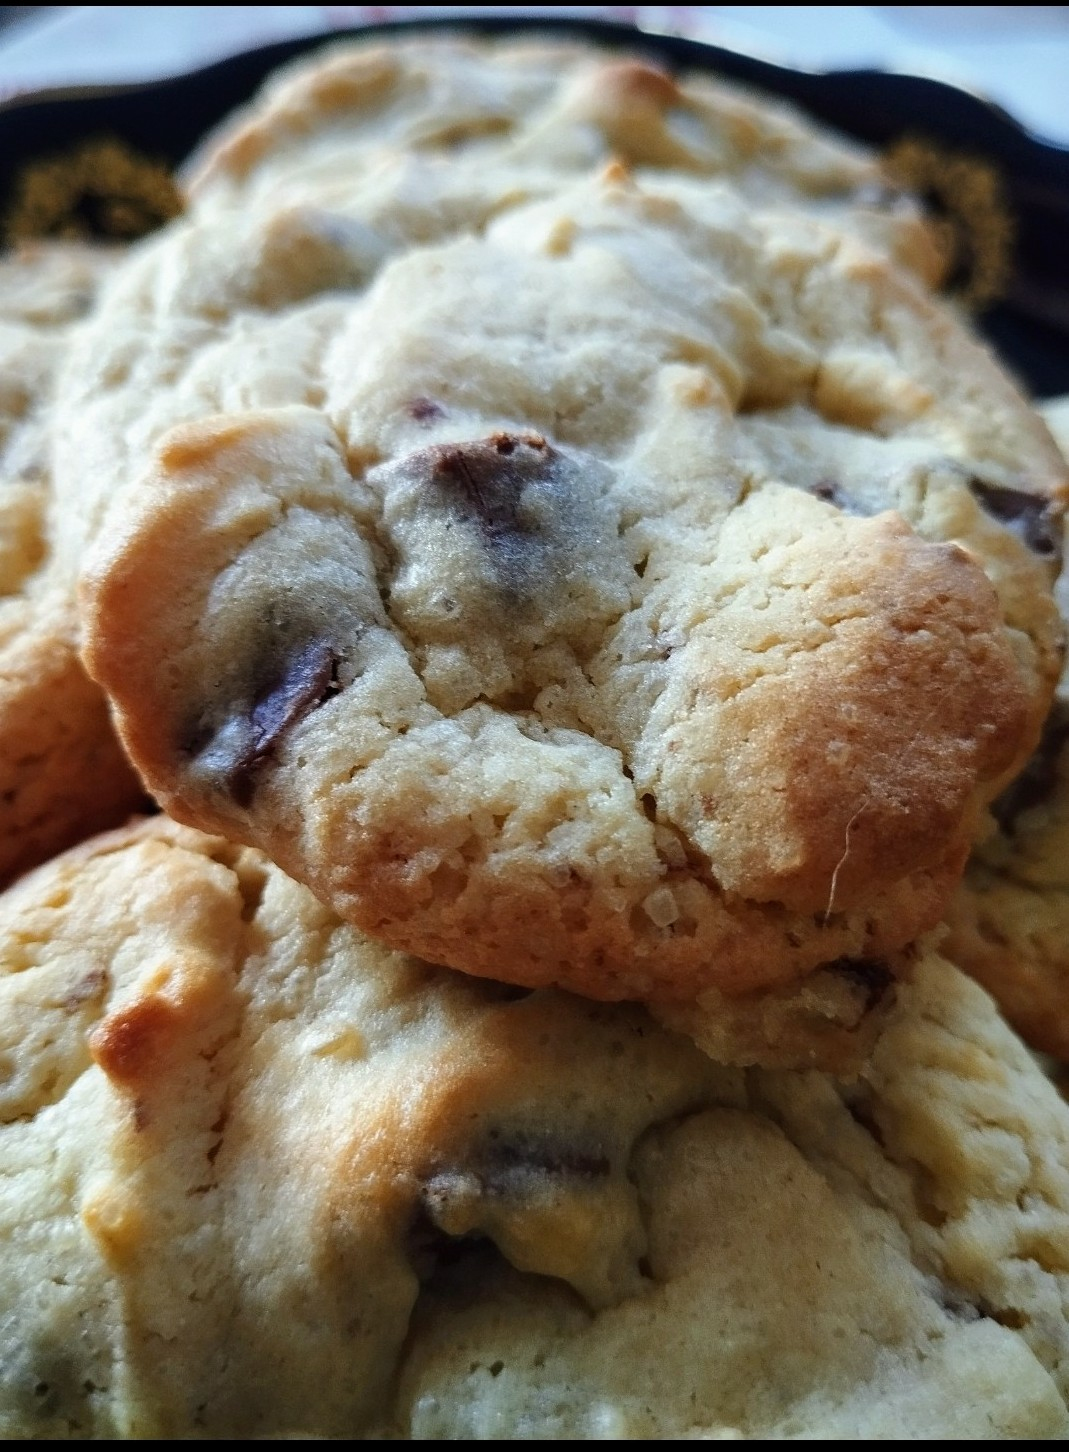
(833, 492)
(516, 491)
(1031, 517)
(830, 491)
(307, 681)
(425, 410)
(506, 1170)
(308, 678)
(485, 1190)
(871, 975)
(510, 529)
(486, 478)
(1039, 778)
(518, 1157)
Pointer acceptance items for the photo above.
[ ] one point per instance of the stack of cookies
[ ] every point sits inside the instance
(575, 598)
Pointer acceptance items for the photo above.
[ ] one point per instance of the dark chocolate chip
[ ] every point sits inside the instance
(502, 1175)
(506, 1169)
(1030, 516)
(511, 1157)
(832, 492)
(1012, 1317)
(1037, 782)
(425, 410)
(485, 479)
(309, 677)
(499, 487)
(531, 528)
(871, 975)
(829, 491)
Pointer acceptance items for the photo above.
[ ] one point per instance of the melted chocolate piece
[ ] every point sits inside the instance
(870, 974)
(425, 410)
(463, 1199)
(499, 486)
(308, 679)
(826, 489)
(485, 479)
(513, 1158)
(1030, 516)
(1036, 783)
(832, 492)
(505, 1170)
(528, 528)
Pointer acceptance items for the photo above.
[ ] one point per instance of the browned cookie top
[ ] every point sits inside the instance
(639, 599)
(262, 1177)
(363, 151)
(521, 112)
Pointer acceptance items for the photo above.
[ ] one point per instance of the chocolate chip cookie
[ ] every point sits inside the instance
(647, 598)
(352, 1194)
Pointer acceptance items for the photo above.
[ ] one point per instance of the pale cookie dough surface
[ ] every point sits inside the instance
(1010, 918)
(364, 151)
(259, 1176)
(62, 772)
(536, 109)
(49, 284)
(647, 596)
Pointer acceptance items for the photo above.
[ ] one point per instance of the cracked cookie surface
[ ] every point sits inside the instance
(648, 597)
(357, 1195)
